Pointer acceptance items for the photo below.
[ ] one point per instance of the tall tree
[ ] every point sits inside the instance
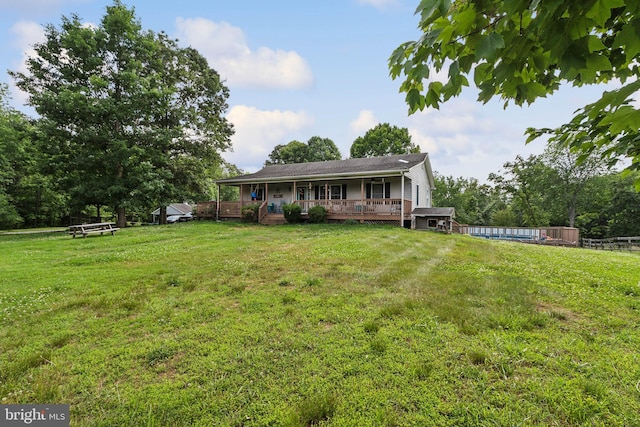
(11, 154)
(28, 194)
(571, 176)
(524, 181)
(383, 140)
(624, 209)
(317, 149)
(322, 149)
(293, 152)
(189, 101)
(474, 203)
(521, 50)
(131, 117)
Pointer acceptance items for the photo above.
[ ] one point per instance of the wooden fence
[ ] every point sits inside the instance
(613, 244)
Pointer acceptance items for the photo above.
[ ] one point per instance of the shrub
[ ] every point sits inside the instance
(317, 215)
(250, 213)
(292, 213)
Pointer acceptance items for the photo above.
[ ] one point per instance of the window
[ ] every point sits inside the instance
(417, 195)
(335, 192)
(377, 191)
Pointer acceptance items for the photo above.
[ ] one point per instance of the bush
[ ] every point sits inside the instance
(317, 215)
(292, 213)
(250, 213)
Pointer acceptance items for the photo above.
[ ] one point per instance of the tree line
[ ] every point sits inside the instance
(550, 189)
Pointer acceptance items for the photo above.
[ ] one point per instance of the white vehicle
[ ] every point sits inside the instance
(173, 219)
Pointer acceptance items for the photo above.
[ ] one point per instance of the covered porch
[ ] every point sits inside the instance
(375, 201)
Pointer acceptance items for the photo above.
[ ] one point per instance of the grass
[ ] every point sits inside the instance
(231, 324)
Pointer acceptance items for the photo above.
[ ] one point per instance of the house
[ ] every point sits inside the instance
(172, 209)
(374, 190)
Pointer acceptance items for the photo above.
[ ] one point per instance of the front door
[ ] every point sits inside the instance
(303, 194)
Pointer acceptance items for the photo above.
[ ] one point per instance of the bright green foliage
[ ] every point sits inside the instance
(524, 182)
(293, 152)
(317, 149)
(28, 193)
(474, 203)
(10, 152)
(567, 183)
(624, 208)
(521, 50)
(383, 140)
(322, 149)
(131, 119)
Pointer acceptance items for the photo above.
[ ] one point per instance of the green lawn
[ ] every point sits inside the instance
(239, 325)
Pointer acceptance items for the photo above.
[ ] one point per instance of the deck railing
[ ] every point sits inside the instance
(230, 209)
(262, 211)
(382, 207)
(368, 207)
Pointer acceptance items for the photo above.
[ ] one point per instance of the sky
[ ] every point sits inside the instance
(297, 69)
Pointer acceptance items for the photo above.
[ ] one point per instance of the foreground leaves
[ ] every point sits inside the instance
(522, 50)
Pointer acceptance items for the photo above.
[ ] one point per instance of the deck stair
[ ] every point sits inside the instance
(273, 219)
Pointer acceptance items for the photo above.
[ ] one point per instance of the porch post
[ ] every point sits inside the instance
(402, 199)
(266, 191)
(218, 204)
(362, 196)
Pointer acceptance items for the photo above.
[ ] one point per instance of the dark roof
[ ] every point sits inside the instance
(434, 212)
(349, 167)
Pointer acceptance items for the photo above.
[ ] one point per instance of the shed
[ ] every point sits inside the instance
(440, 219)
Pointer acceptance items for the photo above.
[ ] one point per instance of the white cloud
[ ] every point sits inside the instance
(366, 120)
(466, 139)
(426, 143)
(258, 131)
(26, 35)
(379, 4)
(227, 51)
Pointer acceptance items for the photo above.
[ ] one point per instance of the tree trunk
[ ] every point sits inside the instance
(163, 215)
(122, 218)
(572, 215)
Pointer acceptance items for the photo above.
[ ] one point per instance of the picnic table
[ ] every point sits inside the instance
(86, 229)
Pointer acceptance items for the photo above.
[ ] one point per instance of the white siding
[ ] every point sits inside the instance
(419, 182)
